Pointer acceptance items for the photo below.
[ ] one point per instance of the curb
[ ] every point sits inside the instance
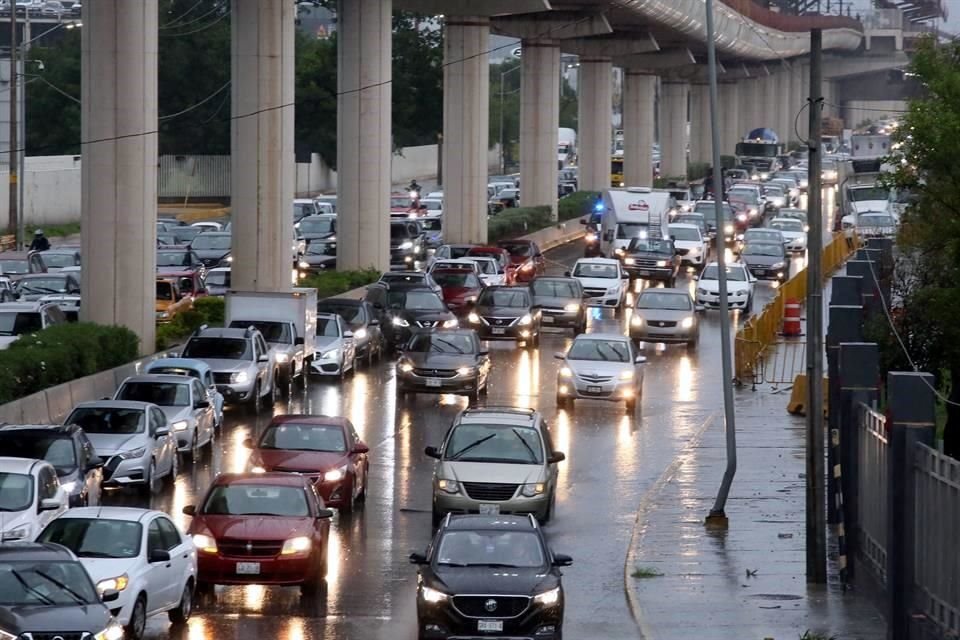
(646, 504)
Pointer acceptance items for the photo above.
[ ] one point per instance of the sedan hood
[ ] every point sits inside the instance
(107, 444)
(732, 285)
(761, 261)
(600, 283)
(598, 367)
(793, 235)
(502, 312)
(550, 302)
(668, 315)
(301, 461)
(326, 343)
(506, 581)
(425, 360)
(175, 271)
(491, 472)
(177, 413)
(91, 618)
(226, 366)
(255, 527)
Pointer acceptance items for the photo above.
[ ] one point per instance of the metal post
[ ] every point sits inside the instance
(13, 222)
(718, 516)
(22, 172)
(816, 504)
(502, 166)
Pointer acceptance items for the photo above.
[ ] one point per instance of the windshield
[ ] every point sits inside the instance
(272, 331)
(218, 278)
(56, 449)
(520, 549)
(627, 230)
(651, 299)
(708, 209)
(305, 437)
(697, 220)
(165, 290)
(773, 190)
(51, 284)
(218, 348)
(494, 443)
(456, 279)
(173, 259)
(16, 491)
(651, 245)
(164, 394)
(211, 241)
(14, 323)
(517, 248)
(683, 233)
(57, 583)
(555, 288)
(399, 202)
(59, 260)
(302, 209)
(328, 327)
(787, 225)
(320, 248)
(431, 205)
(774, 250)
(351, 314)
(318, 225)
(861, 194)
(14, 266)
(600, 350)
(257, 500)
(419, 300)
(452, 343)
(799, 214)
(402, 232)
(459, 252)
(596, 270)
(508, 297)
(748, 197)
(108, 420)
(186, 234)
(95, 538)
(733, 273)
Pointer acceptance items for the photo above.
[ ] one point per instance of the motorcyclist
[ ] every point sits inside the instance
(40, 242)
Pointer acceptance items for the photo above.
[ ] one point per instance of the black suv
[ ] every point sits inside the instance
(456, 596)
(560, 301)
(409, 308)
(407, 244)
(652, 259)
(506, 313)
(46, 593)
(68, 450)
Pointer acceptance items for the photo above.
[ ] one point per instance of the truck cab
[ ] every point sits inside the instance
(631, 213)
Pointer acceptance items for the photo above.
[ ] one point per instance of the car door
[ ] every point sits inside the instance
(203, 414)
(182, 559)
(160, 575)
(91, 466)
(165, 445)
(48, 488)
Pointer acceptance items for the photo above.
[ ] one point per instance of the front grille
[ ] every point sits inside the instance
(500, 322)
(427, 324)
(491, 606)
(222, 378)
(49, 635)
(595, 378)
(646, 263)
(594, 293)
(490, 490)
(249, 548)
(661, 323)
(435, 373)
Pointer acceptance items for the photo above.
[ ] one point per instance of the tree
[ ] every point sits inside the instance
(417, 86)
(926, 146)
(316, 96)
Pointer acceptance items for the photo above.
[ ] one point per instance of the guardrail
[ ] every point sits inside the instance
(759, 332)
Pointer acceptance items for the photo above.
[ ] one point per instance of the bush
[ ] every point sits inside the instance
(208, 310)
(62, 353)
(333, 283)
(577, 204)
(518, 221)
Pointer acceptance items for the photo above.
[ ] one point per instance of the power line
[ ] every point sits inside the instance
(198, 29)
(172, 22)
(217, 7)
(197, 105)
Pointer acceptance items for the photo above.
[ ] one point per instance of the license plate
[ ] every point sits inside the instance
(248, 568)
(644, 273)
(434, 382)
(490, 625)
(498, 332)
(593, 389)
(489, 509)
(546, 320)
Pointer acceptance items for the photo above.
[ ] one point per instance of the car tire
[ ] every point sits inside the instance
(485, 389)
(194, 449)
(272, 397)
(692, 344)
(285, 382)
(362, 496)
(255, 399)
(151, 486)
(581, 327)
(548, 516)
(436, 517)
(473, 398)
(349, 505)
(138, 619)
(181, 614)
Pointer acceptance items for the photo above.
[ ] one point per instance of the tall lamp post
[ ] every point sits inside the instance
(503, 74)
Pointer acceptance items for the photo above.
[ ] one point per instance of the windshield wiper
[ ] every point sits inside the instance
(533, 456)
(73, 594)
(451, 345)
(42, 597)
(472, 445)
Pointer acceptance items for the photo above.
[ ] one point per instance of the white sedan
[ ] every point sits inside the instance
(137, 552)
(30, 497)
(600, 366)
(740, 286)
(492, 272)
(794, 233)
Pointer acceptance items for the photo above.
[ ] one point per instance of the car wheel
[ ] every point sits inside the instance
(473, 397)
(274, 395)
(181, 614)
(255, 399)
(138, 619)
(631, 406)
(362, 496)
(692, 343)
(370, 354)
(152, 484)
(285, 382)
(548, 516)
(485, 389)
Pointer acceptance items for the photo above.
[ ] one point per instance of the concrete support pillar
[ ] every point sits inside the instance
(639, 105)
(788, 107)
(364, 74)
(262, 156)
(749, 106)
(539, 121)
(798, 99)
(770, 104)
(118, 205)
(729, 105)
(673, 128)
(700, 148)
(595, 122)
(466, 128)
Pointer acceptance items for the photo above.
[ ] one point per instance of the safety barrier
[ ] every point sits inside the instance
(761, 331)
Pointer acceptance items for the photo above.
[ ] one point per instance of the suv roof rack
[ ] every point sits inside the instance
(502, 409)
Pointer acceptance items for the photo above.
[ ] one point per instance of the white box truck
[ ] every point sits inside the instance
(288, 322)
(630, 213)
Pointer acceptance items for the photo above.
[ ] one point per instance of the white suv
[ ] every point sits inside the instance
(604, 281)
(31, 498)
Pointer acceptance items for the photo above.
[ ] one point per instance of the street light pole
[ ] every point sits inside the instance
(22, 155)
(13, 190)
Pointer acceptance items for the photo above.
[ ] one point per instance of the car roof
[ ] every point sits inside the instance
(15, 255)
(403, 274)
(651, 290)
(61, 250)
(59, 429)
(34, 551)
(795, 222)
(23, 306)
(683, 225)
(517, 416)
(470, 522)
(207, 234)
(182, 363)
(222, 332)
(506, 287)
(11, 464)
(113, 404)
(556, 278)
(159, 377)
(128, 514)
(598, 261)
(459, 245)
(619, 337)
(315, 419)
(264, 479)
(319, 216)
(174, 247)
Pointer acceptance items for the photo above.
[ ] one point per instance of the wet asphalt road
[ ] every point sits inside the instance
(612, 460)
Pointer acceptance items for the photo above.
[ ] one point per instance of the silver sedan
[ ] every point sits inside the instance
(600, 366)
(665, 315)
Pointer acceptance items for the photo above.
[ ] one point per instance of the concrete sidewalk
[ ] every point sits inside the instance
(747, 582)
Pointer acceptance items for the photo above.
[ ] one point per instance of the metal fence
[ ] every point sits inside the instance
(194, 177)
(937, 524)
(873, 485)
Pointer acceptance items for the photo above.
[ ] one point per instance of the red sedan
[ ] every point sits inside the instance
(460, 287)
(526, 258)
(261, 528)
(325, 449)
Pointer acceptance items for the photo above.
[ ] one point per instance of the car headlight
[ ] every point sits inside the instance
(16, 534)
(629, 261)
(764, 176)
(335, 475)
(453, 323)
(239, 377)
(613, 290)
(548, 598)
(473, 318)
(406, 245)
(204, 543)
(360, 334)
(566, 372)
(163, 315)
(687, 323)
(591, 237)
(229, 258)
(113, 584)
(535, 489)
(400, 322)
(728, 228)
(433, 596)
(626, 375)
(753, 211)
(406, 367)
(333, 354)
(180, 425)
(806, 228)
(573, 307)
(742, 217)
(778, 265)
(465, 371)
(300, 544)
(636, 321)
(257, 469)
(283, 357)
(303, 264)
(525, 320)
(661, 263)
(128, 455)
(619, 252)
(113, 632)
(448, 486)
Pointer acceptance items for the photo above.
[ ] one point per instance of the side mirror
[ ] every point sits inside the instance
(49, 504)
(695, 278)
(162, 431)
(483, 354)
(263, 358)
(566, 274)
(624, 276)
(201, 404)
(361, 447)
(348, 334)
(640, 359)
(323, 514)
(557, 456)
(298, 340)
(248, 443)
(189, 510)
(561, 560)
(432, 452)
(94, 463)
(159, 555)
(418, 558)
(374, 323)
(110, 595)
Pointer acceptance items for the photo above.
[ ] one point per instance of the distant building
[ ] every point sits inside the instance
(316, 21)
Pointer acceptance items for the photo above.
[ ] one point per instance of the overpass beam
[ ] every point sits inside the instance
(639, 103)
(262, 157)
(673, 127)
(553, 25)
(466, 114)
(119, 170)
(595, 122)
(539, 121)
(364, 74)
(700, 143)
(729, 105)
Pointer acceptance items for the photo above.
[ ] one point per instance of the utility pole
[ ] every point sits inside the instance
(12, 222)
(22, 155)
(718, 516)
(816, 475)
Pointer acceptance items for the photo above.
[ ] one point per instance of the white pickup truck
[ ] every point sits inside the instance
(288, 322)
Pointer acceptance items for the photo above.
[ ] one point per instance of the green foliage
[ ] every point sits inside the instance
(333, 283)
(645, 572)
(208, 310)
(62, 353)
(518, 221)
(417, 87)
(576, 204)
(698, 170)
(668, 181)
(316, 95)
(55, 230)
